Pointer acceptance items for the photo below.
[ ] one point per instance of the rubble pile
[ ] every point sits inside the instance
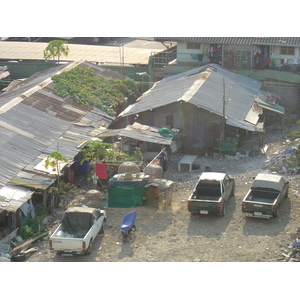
(292, 254)
(14, 248)
(285, 162)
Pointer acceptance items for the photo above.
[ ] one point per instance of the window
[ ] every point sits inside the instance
(287, 50)
(192, 45)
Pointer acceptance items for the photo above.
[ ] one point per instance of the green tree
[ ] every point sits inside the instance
(97, 150)
(53, 160)
(56, 48)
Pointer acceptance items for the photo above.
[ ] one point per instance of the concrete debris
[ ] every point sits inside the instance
(284, 163)
(293, 251)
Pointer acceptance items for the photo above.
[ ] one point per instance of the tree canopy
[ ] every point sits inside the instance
(85, 87)
(56, 48)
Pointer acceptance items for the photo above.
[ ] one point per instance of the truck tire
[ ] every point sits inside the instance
(232, 191)
(276, 213)
(287, 193)
(89, 250)
(222, 213)
(18, 257)
(102, 229)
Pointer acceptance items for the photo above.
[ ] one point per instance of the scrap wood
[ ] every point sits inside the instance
(287, 255)
(25, 245)
(29, 250)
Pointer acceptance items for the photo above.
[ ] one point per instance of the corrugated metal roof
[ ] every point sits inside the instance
(3, 72)
(203, 87)
(127, 54)
(139, 132)
(34, 122)
(13, 197)
(247, 41)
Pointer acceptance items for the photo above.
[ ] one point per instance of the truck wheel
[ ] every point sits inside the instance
(102, 229)
(222, 213)
(232, 191)
(90, 248)
(276, 213)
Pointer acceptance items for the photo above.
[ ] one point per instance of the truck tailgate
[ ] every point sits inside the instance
(203, 206)
(66, 244)
(257, 209)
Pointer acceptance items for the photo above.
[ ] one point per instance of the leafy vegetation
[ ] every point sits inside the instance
(32, 228)
(97, 150)
(53, 160)
(85, 87)
(56, 48)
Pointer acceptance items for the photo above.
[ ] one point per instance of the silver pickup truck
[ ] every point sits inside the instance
(77, 231)
(265, 196)
(211, 193)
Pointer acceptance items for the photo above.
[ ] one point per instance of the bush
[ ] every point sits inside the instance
(32, 228)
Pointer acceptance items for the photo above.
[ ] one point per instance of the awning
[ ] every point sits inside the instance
(139, 132)
(269, 101)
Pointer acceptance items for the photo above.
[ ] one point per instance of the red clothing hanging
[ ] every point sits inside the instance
(101, 170)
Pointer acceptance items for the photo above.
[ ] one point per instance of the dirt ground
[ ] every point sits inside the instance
(174, 235)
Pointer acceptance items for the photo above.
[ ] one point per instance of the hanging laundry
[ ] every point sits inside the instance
(101, 170)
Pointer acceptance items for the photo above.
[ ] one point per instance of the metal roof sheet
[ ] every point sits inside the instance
(203, 87)
(13, 197)
(34, 122)
(246, 41)
(127, 53)
(139, 132)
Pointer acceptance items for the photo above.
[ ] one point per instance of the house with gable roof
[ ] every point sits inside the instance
(198, 101)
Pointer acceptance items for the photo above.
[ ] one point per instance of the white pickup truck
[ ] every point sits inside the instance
(77, 231)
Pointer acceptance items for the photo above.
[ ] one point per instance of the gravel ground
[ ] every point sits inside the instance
(174, 235)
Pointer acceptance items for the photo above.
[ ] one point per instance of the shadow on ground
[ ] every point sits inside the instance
(211, 226)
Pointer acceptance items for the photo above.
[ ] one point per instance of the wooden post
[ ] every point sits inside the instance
(45, 198)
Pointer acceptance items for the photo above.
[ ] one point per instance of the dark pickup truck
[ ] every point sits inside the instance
(210, 194)
(265, 196)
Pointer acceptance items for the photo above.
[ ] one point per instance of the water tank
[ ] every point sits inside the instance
(154, 170)
(128, 167)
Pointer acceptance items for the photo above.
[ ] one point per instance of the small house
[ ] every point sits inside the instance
(204, 103)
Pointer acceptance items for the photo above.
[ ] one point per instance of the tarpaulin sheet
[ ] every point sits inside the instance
(122, 196)
(79, 220)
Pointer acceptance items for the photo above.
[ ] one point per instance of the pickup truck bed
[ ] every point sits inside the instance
(262, 196)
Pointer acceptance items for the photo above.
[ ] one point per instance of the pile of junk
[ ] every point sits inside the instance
(130, 187)
(14, 249)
